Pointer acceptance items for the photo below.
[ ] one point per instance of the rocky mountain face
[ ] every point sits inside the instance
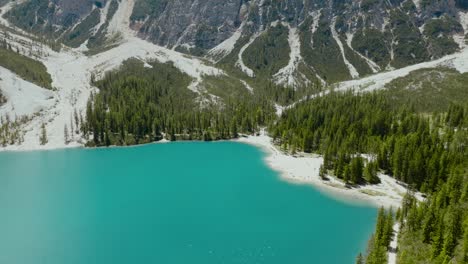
(197, 24)
(51, 17)
(293, 42)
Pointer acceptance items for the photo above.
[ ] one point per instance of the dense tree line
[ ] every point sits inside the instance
(140, 104)
(414, 148)
(436, 230)
(379, 243)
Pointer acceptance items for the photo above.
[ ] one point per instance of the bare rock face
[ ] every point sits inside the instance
(196, 23)
(199, 25)
(72, 11)
(51, 17)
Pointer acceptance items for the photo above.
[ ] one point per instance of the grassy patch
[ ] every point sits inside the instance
(430, 90)
(224, 86)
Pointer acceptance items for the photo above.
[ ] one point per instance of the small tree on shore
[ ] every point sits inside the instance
(322, 173)
(360, 259)
(43, 136)
(65, 135)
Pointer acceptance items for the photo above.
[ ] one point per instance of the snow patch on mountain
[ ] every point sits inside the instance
(240, 62)
(5, 9)
(464, 20)
(458, 61)
(374, 67)
(179, 41)
(144, 50)
(131, 46)
(316, 15)
(247, 86)
(71, 75)
(226, 47)
(119, 25)
(102, 19)
(286, 75)
(23, 45)
(23, 97)
(352, 70)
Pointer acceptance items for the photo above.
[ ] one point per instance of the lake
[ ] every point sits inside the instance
(175, 203)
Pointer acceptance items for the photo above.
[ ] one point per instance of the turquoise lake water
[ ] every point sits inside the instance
(178, 203)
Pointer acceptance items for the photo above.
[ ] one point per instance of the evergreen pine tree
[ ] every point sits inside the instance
(356, 168)
(65, 135)
(322, 172)
(360, 259)
(346, 174)
(43, 136)
(438, 240)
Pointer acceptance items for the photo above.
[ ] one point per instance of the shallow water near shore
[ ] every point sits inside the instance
(180, 203)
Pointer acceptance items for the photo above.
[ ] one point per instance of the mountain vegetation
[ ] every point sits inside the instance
(357, 61)
(83, 31)
(409, 47)
(322, 52)
(415, 131)
(405, 144)
(390, 33)
(34, 16)
(422, 146)
(430, 90)
(379, 242)
(99, 42)
(436, 230)
(439, 35)
(372, 43)
(11, 131)
(138, 104)
(262, 55)
(25, 67)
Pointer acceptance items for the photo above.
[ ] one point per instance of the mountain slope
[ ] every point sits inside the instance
(281, 51)
(338, 39)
